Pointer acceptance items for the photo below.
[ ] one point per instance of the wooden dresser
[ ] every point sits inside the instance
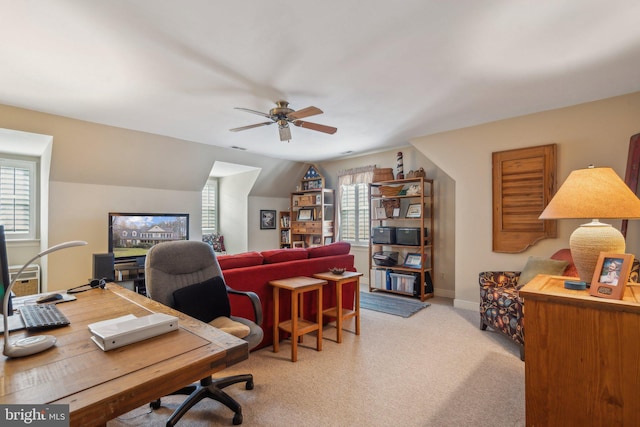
(582, 363)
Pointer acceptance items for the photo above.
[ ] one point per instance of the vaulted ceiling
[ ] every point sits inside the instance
(382, 72)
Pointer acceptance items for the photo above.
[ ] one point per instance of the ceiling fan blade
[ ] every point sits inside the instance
(315, 126)
(305, 112)
(260, 113)
(251, 126)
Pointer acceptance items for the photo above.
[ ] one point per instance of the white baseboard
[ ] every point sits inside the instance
(466, 305)
(445, 293)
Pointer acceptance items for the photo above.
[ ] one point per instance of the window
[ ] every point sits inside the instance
(353, 199)
(18, 198)
(354, 218)
(209, 207)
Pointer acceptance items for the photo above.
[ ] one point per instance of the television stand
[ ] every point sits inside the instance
(131, 277)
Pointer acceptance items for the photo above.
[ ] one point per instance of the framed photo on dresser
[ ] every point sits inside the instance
(611, 275)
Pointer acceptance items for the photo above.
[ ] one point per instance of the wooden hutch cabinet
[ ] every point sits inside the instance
(311, 212)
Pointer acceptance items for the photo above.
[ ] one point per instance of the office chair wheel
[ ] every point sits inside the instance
(237, 419)
(249, 385)
(155, 404)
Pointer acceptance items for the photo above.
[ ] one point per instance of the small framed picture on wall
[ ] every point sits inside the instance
(267, 220)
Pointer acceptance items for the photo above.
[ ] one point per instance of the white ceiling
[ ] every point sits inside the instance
(382, 72)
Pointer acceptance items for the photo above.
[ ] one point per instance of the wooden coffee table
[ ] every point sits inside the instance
(297, 326)
(339, 313)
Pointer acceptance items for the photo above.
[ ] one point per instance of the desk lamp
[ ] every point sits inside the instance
(593, 193)
(37, 343)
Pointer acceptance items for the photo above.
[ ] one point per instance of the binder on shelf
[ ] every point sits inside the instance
(379, 278)
(118, 332)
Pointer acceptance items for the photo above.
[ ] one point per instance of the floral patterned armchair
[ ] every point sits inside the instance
(500, 306)
(216, 240)
(502, 309)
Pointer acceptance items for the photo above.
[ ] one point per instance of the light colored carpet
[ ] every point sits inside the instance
(435, 368)
(390, 304)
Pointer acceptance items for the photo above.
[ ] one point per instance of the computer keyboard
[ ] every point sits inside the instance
(42, 316)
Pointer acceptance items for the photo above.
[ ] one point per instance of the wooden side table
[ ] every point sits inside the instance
(338, 312)
(581, 354)
(297, 326)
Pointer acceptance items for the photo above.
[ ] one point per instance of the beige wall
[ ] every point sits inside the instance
(593, 133)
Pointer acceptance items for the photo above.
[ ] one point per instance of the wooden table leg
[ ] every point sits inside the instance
(339, 310)
(319, 320)
(294, 325)
(301, 311)
(276, 319)
(357, 307)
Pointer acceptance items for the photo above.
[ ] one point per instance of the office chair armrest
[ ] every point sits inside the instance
(255, 301)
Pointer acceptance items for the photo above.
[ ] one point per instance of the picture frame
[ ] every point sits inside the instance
(380, 213)
(414, 211)
(267, 219)
(328, 240)
(297, 244)
(413, 260)
(305, 215)
(611, 275)
(396, 212)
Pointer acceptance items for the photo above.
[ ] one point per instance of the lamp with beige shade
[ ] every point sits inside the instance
(595, 193)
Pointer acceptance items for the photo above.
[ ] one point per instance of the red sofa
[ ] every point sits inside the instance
(252, 271)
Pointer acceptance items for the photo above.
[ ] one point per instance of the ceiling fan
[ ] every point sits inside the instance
(283, 115)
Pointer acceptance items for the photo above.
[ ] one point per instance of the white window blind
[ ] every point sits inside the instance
(209, 207)
(354, 218)
(17, 198)
(353, 195)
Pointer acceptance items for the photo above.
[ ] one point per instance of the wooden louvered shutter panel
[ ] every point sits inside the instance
(524, 180)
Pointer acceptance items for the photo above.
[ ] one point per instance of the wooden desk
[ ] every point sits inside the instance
(99, 386)
(582, 354)
(297, 326)
(337, 312)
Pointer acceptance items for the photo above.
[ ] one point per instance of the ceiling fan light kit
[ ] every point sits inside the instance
(283, 115)
(285, 133)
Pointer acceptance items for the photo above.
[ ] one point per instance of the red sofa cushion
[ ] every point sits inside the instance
(565, 255)
(247, 259)
(282, 255)
(337, 248)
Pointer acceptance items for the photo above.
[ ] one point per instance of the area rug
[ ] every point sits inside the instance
(398, 306)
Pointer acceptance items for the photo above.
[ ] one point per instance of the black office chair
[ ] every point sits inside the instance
(185, 275)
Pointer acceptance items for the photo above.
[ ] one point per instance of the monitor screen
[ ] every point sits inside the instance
(4, 272)
(131, 235)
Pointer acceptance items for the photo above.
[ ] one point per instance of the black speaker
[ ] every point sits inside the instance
(103, 266)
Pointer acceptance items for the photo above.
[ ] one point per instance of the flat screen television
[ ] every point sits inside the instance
(4, 273)
(131, 235)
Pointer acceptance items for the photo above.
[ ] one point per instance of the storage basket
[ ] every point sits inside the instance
(382, 174)
(403, 282)
(390, 190)
(420, 173)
